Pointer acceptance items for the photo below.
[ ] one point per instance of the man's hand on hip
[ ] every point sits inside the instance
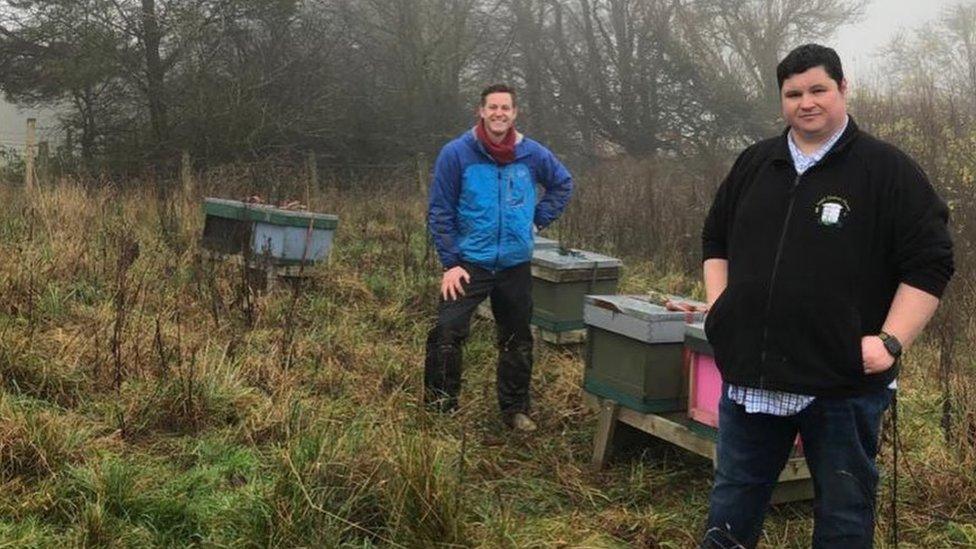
(876, 358)
(451, 287)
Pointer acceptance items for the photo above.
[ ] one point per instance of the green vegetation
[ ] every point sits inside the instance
(149, 399)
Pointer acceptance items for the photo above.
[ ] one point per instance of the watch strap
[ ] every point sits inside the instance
(891, 343)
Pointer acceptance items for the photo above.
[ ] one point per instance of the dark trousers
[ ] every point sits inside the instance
(510, 291)
(840, 442)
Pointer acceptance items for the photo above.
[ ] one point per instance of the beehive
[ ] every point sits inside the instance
(560, 280)
(282, 237)
(634, 352)
(484, 308)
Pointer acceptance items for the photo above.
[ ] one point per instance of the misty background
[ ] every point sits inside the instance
(860, 44)
(130, 84)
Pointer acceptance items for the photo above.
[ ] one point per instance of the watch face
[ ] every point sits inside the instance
(891, 344)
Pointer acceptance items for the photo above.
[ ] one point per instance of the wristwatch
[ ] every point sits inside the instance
(891, 343)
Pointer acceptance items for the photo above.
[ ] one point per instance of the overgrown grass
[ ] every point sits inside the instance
(150, 399)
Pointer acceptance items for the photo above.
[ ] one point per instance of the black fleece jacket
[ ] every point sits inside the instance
(814, 261)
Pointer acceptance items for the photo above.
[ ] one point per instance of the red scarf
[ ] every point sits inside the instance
(503, 152)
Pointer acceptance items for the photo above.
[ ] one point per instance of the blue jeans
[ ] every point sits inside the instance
(840, 441)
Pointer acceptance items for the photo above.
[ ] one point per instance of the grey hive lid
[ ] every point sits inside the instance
(644, 307)
(266, 213)
(696, 330)
(639, 317)
(696, 340)
(573, 259)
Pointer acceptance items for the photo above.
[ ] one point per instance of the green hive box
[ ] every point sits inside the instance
(541, 243)
(259, 230)
(634, 352)
(560, 280)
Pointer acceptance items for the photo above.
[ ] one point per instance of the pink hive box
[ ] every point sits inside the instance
(704, 379)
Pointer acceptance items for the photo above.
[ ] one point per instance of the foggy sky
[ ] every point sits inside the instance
(857, 45)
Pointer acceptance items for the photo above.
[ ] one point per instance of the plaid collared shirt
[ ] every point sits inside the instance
(779, 403)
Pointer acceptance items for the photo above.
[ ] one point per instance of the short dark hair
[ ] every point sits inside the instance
(806, 57)
(498, 88)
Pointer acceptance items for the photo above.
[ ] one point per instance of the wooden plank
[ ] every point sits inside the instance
(591, 401)
(569, 337)
(259, 263)
(667, 429)
(605, 428)
(792, 490)
(30, 174)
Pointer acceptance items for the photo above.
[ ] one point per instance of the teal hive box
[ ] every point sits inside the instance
(542, 243)
(560, 280)
(284, 237)
(634, 352)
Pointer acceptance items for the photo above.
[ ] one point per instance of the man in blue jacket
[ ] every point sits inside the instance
(482, 212)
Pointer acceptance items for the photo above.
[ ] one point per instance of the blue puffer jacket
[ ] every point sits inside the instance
(481, 212)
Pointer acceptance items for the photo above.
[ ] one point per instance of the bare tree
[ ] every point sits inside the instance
(739, 43)
(60, 53)
(959, 22)
(373, 80)
(416, 52)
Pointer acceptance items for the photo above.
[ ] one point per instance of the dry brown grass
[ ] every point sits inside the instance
(206, 438)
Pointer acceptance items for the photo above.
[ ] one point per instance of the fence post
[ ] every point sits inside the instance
(422, 174)
(30, 175)
(186, 174)
(43, 164)
(311, 165)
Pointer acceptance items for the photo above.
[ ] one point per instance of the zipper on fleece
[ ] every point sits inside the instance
(498, 240)
(772, 278)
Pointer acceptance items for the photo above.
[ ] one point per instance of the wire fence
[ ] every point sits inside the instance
(52, 156)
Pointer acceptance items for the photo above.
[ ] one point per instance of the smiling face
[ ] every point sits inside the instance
(814, 105)
(498, 112)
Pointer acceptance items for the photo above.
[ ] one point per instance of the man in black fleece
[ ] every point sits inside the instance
(825, 254)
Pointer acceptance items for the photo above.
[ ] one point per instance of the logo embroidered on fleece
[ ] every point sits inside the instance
(832, 211)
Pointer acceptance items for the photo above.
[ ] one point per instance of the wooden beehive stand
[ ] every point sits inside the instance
(570, 337)
(262, 274)
(676, 428)
(565, 338)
